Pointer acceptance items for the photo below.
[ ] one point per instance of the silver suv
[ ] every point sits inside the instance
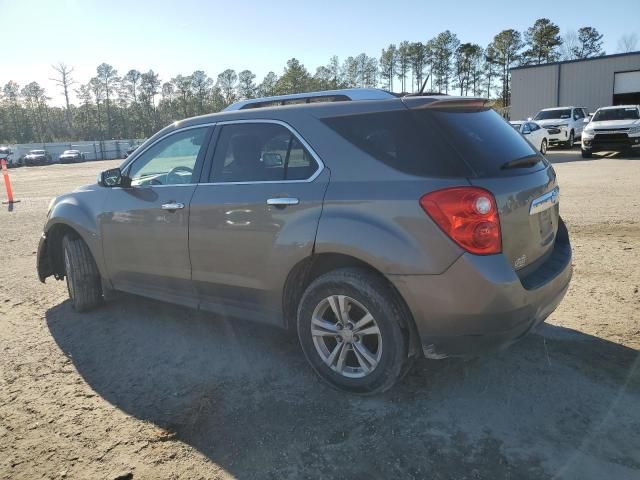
(380, 229)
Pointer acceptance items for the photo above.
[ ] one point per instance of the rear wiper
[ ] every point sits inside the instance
(524, 162)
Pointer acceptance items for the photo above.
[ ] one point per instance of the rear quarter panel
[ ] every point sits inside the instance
(372, 212)
(382, 224)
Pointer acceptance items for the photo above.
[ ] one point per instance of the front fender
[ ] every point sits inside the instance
(78, 212)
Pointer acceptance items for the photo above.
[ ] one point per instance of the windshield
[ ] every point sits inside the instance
(616, 114)
(558, 113)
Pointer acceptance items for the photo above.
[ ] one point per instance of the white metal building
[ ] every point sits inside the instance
(591, 83)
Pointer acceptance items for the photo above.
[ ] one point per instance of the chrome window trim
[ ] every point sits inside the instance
(294, 132)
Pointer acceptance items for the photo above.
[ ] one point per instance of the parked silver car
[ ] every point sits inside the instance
(37, 157)
(71, 156)
(379, 228)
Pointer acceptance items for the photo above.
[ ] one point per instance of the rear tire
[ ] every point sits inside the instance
(586, 153)
(363, 359)
(83, 279)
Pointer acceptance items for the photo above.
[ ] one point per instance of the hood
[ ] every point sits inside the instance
(613, 124)
(89, 188)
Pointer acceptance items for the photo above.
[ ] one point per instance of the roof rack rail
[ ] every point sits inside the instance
(346, 94)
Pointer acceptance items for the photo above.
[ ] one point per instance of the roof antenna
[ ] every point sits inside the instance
(424, 84)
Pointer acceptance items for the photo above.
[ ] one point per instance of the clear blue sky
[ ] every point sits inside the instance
(182, 36)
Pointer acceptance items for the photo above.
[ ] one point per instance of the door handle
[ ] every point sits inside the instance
(172, 206)
(282, 201)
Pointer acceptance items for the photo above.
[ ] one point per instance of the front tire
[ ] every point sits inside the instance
(353, 330)
(586, 153)
(83, 279)
(543, 146)
(572, 140)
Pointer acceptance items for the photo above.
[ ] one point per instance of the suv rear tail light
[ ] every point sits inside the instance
(468, 215)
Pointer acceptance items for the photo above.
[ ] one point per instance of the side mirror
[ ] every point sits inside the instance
(112, 178)
(272, 159)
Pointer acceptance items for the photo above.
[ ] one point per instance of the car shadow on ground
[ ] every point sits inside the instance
(561, 155)
(557, 403)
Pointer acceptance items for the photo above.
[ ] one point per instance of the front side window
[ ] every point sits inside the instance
(171, 161)
(260, 152)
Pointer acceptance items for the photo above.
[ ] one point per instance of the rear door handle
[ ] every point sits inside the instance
(282, 201)
(172, 206)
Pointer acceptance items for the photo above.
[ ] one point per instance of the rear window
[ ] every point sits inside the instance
(437, 143)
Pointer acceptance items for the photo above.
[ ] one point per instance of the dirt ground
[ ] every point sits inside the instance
(145, 390)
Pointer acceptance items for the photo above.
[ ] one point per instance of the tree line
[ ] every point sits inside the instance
(135, 104)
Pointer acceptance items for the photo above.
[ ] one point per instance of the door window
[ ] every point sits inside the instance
(260, 152)
(171, 161)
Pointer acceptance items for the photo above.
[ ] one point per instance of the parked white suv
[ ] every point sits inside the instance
(564, 124)
(613, 129)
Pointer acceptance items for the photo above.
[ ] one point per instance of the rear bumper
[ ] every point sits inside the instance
(481, 304)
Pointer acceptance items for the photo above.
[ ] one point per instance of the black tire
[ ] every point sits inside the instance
(586, 153)
(391, 317)
(572, 140)
(83, 279)
(543, 146)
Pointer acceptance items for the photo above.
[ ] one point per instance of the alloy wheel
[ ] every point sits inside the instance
(346, 336)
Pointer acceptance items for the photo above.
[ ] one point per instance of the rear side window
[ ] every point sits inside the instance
(260, 152)
(397, 140)
(439, 143)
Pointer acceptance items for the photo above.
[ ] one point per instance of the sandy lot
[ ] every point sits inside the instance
(141, 389)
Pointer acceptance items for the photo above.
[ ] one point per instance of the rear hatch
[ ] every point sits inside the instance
(502, 161)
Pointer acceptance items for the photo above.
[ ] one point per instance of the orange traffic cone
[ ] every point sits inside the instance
(7, 183)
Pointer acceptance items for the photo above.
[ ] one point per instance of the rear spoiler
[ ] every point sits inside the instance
(446, 103)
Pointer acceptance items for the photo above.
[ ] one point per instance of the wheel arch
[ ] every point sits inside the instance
(50, 255)
(312, 267)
